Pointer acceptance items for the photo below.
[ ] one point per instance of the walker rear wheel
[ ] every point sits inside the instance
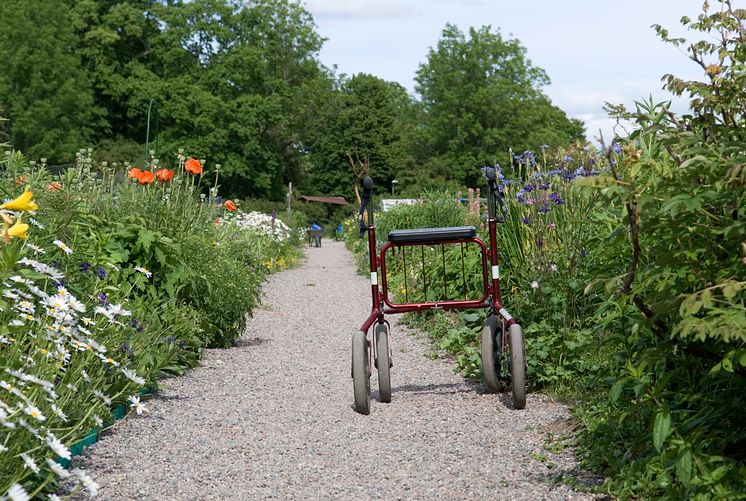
(360, 372)
(517, 366)
(383, 363)
(491, 354)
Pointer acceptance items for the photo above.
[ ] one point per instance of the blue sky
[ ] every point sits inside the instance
(593, 51)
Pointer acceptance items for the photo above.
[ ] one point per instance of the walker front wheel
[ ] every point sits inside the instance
(383, 363)
(360, 372)
(517, 366)
(491, 354)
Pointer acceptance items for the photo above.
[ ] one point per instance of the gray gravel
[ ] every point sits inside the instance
(273, 417)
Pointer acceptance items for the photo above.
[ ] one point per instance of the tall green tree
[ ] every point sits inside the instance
(360, 135)
(481, 96)
(44, 93)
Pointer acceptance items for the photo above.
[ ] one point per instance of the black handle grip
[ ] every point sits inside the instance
(367, 192)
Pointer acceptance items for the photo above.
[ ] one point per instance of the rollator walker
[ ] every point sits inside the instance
(502, 345)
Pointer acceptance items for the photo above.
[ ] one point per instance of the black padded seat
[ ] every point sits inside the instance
(431, 235)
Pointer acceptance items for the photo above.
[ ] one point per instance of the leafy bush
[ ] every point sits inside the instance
(674, 422)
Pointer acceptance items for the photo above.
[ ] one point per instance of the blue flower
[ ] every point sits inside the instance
(556, 198)
(526, 220)
(102, 297)
(101, 272)
(528, 188)
(85, 267)
(544, 187)
(567, 158)
(616, 148)
(544, 209)
(544, 146)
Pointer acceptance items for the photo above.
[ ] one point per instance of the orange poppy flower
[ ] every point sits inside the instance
(193, 166)
(164, 175)
(230, 206)
(145, 177)
(133, 173)
(54, 186)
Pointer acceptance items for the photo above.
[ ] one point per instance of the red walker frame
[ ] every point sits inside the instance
(492, 341)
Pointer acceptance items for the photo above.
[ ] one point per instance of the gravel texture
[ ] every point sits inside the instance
(273, 417)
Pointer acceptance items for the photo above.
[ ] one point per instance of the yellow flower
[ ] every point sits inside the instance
(23, 202)
(18, 230)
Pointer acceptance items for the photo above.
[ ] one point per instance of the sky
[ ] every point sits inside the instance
(593, 50)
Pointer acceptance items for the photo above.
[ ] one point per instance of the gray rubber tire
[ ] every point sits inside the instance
(491, 354)
(518, 366)
(383, 363)
(360, 372)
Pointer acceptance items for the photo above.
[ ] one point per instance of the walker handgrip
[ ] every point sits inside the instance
(367, 192)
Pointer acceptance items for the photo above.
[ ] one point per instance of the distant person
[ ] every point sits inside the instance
(315, 234)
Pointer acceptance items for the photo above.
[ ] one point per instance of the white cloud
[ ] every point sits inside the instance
(360, 9)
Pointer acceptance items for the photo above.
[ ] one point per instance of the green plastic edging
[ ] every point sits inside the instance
(117, 413)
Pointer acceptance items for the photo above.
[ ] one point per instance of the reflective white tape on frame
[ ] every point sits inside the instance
(496, 272)
(505, 314)
(373, 278)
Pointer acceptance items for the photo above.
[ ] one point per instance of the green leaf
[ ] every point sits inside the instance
(661, 428)
(616, 391)
(145, 238)
(683, 465)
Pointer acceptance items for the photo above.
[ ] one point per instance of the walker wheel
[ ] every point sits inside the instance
(360, 372)
(517, 366)
(383, 362)
(491, 354)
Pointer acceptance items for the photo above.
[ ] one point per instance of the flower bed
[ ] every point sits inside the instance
(111, 278)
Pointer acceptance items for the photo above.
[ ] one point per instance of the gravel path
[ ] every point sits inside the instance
(273, 417)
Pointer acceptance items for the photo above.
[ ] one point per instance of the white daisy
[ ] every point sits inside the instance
(75, 304)
(36, 223)
(98, 421)
(132, 376)
(144, 271)
(57, 303)
(534, 285)
(59, 412)
(58, 447)
(29, 463)
(37, 249)
(135, 404)
(57, 469)
(34, 412)
(103, 397)
(103, 311)
(17, 493)
(553, 267)
(87, 482)
(41, 268)
(116, 309)
(62, 245)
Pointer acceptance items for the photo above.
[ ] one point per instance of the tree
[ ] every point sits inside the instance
(47, 98)
(481, 96)
(359, 135)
